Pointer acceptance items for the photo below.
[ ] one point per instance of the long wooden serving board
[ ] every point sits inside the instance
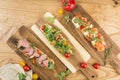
(75, 59)
(44, 74)
(114, 56)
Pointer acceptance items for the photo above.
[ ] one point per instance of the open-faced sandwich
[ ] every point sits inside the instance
(57, 39)
(90, 32)
(34, 54)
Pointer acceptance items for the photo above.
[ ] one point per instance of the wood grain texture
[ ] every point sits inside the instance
(13, 15)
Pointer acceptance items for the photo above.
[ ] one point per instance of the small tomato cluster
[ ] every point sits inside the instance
(84, 65)
(27, 68)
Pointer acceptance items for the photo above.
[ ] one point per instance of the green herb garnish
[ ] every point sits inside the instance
(51, 65)
(67, 18)
(107, 52)
(78, 20)
(63, 74)
(33, 45)
(51, 19)
(21, 76)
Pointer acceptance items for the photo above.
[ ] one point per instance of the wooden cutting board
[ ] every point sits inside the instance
(75, 59)
(113, 58)
(44, 74)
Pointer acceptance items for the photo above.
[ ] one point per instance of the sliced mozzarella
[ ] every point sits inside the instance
(93, 42)
(91, 26)
(75, 24)
(86, 33)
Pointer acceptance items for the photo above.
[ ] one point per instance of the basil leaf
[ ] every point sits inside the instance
(21, 76)
(67, 72)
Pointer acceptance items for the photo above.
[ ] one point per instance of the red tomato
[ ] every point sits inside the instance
(78, 15)
(67, 55)
(96, 65)
(26, 68)
(68, 5)
(99, 35)
(83, 65)
(82, 27)
(42, 27)
(84, 19)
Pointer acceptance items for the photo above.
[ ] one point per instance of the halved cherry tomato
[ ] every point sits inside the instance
(99, 35)
(84, 19)
(78, 15)
(26, 68)
(67, 55)
(82, 27)
(83, 65)
(42, 27)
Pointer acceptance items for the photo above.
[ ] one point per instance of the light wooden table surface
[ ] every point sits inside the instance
(15, 13)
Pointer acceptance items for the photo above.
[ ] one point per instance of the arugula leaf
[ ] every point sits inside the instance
(51, 65)
(50, 36)
(21, 76)
(78, 20)
(67, 72)
(63, 74)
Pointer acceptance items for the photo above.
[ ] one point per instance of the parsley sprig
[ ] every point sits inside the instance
(67, 18)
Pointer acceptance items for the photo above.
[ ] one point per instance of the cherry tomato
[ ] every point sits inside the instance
(96, 65)
(68, 5)
(99, 35)
(22, 63)
(60, 11)
(35, 76)
(67, 55)
(26, 68)
(83, 65)
(42, 27)
(82, 27)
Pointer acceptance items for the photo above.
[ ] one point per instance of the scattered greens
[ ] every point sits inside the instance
(51, 65)
(33, 45)
(51, 19)
(78, 20)
(67, 18)
(21, 76)
(107, 52)
(63, 74)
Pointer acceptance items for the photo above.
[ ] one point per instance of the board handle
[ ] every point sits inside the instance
(89, 72)
(115, 62)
